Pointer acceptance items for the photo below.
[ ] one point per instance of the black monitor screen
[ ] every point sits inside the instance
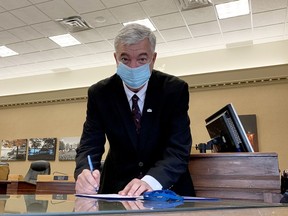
(226, 131)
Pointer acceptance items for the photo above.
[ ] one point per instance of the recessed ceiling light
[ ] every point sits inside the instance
(232, 9)
(146, 22)
(5, 51)
(65, 40)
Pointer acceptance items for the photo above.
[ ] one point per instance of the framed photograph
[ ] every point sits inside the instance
(67, 148)
(42, 148)
(13, 150)
(250, 126)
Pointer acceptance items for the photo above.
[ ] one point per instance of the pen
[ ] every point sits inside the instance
(90, 163)
(91, 168)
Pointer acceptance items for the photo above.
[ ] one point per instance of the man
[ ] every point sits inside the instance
(147, 153)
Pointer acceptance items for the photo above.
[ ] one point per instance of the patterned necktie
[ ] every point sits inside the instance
(136, 112)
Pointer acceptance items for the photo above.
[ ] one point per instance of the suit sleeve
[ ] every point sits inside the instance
(93, 137)
(178, 140)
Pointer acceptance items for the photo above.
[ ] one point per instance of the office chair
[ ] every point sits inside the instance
(34, 205)
(4, 170)
(40, 167)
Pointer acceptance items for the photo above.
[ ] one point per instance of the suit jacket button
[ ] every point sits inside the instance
(140, 164)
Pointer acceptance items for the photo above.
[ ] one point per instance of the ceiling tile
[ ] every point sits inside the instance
(269, 18)
(38, 1)
(25, 33)
(238, 36)
(159, 38)
(203, 29)
(87, 36)
(156, 8)
(22, 47)
(214, 40)
(10, 5)
(30, 15)
(168, 21)
(85, 6)
(7, 38)
(21, 59)
(236, 23)
(109, 32)
(50, 28)
(8, 21)
(269, 31)
(102, 46)
(176, 34)
(57, 9)
(43, 44)
(78, 50)
(135, 12)
(105, 18)
(113, 3)
(199, 15)
(5, 62)
(267, 5)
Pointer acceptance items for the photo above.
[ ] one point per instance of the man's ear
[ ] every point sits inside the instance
(154, 57)
(115, 57)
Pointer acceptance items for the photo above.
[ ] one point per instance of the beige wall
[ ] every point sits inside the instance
(268, 100)
(58, 120)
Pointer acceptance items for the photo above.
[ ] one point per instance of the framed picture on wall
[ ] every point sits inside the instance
(67, 148)
(41, 148)
(13, 150)
(250, 126)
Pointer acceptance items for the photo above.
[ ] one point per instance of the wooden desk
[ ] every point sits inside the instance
(3, 186)
(247, 176)
(55, 188)
(70, 205)
(17, 187)
(46, 184)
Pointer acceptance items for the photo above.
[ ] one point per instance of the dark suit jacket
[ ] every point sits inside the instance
(161, 149)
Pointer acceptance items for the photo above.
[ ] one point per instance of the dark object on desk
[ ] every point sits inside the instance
(284, 181)
(4, 170)
(162, 195)
(227, 132)
(39, 167)
(284, 199)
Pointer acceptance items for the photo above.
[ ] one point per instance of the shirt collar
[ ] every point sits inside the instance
(141, 93)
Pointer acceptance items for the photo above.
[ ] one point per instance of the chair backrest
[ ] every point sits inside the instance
(40, 167)
(4, 170)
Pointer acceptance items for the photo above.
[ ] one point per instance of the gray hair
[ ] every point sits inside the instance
(134, 33)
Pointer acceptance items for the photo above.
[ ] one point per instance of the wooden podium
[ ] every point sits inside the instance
(247, 176)
(51, 184)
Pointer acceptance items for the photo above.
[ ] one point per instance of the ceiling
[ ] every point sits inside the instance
(26, 25)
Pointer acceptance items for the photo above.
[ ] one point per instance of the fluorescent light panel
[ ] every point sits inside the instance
(5, 52)
(233, 9)
(146, 22)
(65, 40)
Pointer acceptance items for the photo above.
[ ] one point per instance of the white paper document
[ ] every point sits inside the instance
(110, 196)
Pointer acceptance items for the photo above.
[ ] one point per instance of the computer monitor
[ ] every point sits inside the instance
(226, 131)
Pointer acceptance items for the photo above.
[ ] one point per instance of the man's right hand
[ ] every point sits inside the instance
(87, 182)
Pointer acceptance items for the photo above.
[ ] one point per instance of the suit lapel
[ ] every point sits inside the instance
(150, 110)
(124, 111)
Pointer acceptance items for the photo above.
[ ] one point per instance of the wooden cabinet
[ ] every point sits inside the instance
(249, 176)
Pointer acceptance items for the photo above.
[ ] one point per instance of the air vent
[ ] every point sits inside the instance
(193, 4)
(74, 23)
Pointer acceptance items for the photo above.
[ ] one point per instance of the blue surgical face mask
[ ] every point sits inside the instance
(134, 77)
